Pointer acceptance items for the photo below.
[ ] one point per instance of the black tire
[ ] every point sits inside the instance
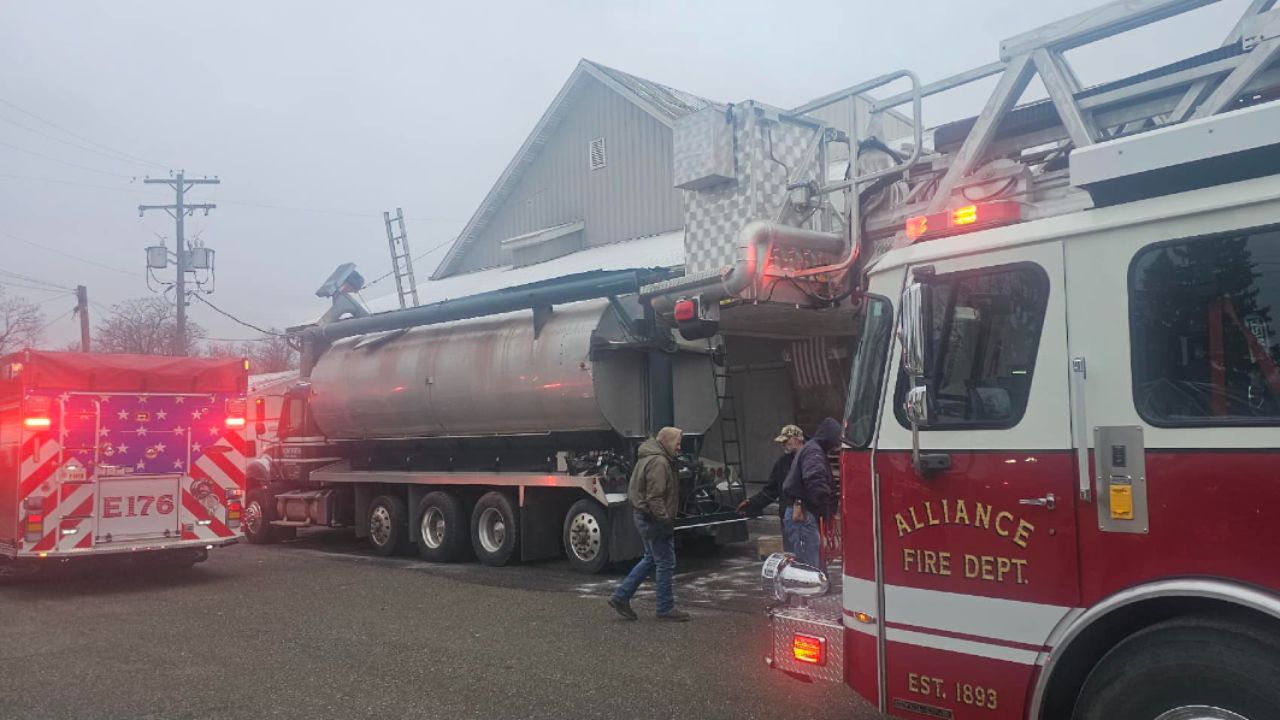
(495, 529)
(388, 525)
(259, 511)
(15, 571)
(586, 536)
(1186, 662)
(441, 527)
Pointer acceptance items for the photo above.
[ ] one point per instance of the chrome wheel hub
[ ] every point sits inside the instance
(380, 526)
(253, 518)
(1199, 712)
(584, 536)
(492, 529)
(433, 528)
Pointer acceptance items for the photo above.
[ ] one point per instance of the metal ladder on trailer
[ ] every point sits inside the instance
(401, 261)
(730, 432)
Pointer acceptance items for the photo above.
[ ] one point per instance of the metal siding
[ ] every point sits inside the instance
(632, 196)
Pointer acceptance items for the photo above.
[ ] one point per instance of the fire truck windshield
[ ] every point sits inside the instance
(867, 377)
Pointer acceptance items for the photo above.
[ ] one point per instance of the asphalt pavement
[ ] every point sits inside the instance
(321, 628)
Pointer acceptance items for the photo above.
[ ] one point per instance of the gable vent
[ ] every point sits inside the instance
(597, 153)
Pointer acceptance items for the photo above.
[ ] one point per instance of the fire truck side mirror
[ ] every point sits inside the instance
(913, 330)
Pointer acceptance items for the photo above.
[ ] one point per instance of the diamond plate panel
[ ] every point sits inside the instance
(816, 621)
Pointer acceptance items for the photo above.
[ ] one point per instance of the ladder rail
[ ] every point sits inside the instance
(401, 259)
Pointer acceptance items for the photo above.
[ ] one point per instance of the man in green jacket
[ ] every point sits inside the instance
(654, 493)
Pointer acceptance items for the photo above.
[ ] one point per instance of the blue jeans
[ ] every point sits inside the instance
(803, 539)
(659, 552)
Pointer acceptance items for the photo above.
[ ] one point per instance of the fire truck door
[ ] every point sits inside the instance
(979, 552)
(80, 430)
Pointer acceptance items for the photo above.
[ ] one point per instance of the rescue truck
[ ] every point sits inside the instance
(501, 425)
(1058, 482)
(118, 455)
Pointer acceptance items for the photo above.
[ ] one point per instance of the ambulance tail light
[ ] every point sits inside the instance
(809, 649)
(236, 410)
(37, 415)
(966, 218)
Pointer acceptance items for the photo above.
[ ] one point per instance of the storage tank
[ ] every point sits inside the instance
(503, 375)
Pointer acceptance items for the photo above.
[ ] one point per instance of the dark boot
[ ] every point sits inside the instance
(623, 608)
(675, 616)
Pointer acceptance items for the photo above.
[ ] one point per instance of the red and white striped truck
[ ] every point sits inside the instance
(119, 454)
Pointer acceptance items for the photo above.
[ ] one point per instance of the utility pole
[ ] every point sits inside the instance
(82, 307)
(178, 211)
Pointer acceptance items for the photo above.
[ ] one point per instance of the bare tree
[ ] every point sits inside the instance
(271, 353)
(143, 326)
(21, 323)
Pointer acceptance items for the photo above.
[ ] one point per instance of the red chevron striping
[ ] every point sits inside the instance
(236, 440)
(233, 472)
(85, 542)
(199, 512)
(37, 476)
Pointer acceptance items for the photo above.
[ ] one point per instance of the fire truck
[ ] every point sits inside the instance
(1063, 418)
(131, 456)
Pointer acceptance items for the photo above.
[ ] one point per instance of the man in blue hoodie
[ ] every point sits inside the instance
(807, 493)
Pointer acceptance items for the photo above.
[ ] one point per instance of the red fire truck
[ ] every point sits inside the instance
(1063, 420)
(118, 454)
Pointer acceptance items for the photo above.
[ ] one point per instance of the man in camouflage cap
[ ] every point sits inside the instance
(792, 439)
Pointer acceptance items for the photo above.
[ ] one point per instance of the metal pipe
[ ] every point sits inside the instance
(556, 292)
(754, 241)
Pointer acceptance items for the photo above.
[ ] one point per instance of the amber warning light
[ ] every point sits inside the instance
(963, 219)
(809, 649)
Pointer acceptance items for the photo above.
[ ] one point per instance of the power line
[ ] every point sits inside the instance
(229, 316)
(47, 325)
(7, 284)
(60, 161)
(82, 138)
(37, 281)
(69, 255)
(415, 259)
(71, 182)
(69, 143)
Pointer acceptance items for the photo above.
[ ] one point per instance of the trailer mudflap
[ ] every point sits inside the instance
(808, 641)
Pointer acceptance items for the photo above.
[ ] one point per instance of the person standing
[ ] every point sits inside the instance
(792, 439)
(807, 493)
(654, 494)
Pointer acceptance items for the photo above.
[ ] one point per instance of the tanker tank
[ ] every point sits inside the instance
(578, 370)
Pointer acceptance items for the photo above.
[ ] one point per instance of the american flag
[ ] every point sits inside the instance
(142, 434)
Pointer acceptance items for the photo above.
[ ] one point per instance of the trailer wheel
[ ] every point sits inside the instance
(495, 532)
(1205, 668)
(441, 527)
(388, 525)
(257, 519)
(586, 536)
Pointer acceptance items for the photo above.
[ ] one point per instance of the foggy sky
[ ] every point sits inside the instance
(333, 112)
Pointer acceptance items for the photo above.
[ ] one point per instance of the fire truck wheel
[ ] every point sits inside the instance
(441, 527)
(586, 536)
(495, 534)
(15, 570)
(388, 525)
(1201, 667)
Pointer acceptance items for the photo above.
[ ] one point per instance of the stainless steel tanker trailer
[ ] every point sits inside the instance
(502, 424)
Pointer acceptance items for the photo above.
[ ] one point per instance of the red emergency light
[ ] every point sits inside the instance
(809, 649)
(963, 219)
(37, 414)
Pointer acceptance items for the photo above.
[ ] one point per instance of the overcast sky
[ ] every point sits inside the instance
(317, 116)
